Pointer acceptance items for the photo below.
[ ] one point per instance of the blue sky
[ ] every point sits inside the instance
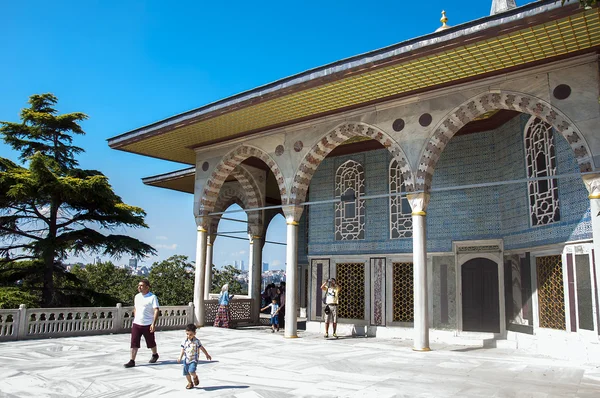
(130, 63)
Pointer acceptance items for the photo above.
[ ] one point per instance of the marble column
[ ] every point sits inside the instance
(201, 244)
(291, 272)
(255, 275)
(419, 203)
(592, 183)
(208, 268)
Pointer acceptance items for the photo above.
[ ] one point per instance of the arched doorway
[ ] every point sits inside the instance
(480, 299)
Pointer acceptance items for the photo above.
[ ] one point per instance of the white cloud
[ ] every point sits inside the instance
(168, 247)
(162, 238)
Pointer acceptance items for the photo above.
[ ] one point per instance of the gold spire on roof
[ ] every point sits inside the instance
(443, 20)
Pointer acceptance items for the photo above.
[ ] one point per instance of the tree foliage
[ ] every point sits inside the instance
(172, 280)
(114, 285)
(229, 274)
(50, 208)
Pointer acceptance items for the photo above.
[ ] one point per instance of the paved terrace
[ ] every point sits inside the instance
(252, 362)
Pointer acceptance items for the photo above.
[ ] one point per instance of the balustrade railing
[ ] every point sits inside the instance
(35, 323)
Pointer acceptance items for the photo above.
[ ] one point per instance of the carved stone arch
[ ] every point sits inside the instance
(330, 141)
(225, 167)
(486, 102)
(242, 194)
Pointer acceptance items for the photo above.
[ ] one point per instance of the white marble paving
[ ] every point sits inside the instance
(253, 363)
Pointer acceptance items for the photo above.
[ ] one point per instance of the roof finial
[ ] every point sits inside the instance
(499, 6)
(443, 20)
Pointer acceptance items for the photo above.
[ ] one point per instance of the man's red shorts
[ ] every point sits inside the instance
(137, 331)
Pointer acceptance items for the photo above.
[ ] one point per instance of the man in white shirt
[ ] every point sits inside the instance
(145, 314)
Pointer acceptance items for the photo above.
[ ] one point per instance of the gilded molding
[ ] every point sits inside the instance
(295, 223)
(594, 196)
(419, 213)
(426, 349)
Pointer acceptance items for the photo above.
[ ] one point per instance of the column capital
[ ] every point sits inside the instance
(592, 184)
(293, 214)
(202, 222)
(418, 203)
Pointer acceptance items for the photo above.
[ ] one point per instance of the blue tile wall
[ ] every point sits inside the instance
(476, 213)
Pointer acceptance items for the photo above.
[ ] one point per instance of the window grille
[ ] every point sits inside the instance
(551, 295)
(403, 292)
(351, 278)
(540, 156)
(400, 210)
(350, 214)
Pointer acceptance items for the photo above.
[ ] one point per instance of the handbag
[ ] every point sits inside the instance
(327, 310)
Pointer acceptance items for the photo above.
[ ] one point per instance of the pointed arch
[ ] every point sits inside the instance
(226, 166)
(486, 102)
(309, 164)
(246, 194)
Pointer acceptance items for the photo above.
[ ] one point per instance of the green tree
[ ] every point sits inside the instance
(115, 285)
(48, 209)
(229, 275)
(172, 280)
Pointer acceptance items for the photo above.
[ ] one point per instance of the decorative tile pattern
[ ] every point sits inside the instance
(351, 278)
(403, 305)
(540, 157)
(551, 295)
(342, 133)
(500, 212)
(485, 103)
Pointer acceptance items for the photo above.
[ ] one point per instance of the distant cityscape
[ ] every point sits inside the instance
(134, 266)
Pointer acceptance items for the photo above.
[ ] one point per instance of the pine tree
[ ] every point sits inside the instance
(50, 208)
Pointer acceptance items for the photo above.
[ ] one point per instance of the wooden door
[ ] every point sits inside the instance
(480, 302)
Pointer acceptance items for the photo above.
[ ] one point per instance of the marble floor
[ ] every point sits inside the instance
(253, 362)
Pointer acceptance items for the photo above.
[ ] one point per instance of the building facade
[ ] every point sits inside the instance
(450, 183)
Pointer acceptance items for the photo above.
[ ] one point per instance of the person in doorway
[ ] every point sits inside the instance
(145, 315)
(189, 349)
(332, 291)
(274, 315)
(223, 316)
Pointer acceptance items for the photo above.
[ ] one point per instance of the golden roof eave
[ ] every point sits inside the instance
(180, 180)
(558, 32)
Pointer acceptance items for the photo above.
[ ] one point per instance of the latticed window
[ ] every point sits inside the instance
(400, 211)
(350, 212)
(541, 162)
(351, 278)
(551, 295)
(403, 292)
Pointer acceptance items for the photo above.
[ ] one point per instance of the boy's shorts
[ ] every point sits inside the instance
(189, 368)
(275, 320)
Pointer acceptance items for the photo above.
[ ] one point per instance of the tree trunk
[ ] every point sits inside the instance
(48, 287)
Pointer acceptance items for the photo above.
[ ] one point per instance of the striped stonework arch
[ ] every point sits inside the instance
(486, 102)
(330, 141)
(245, 193)
(226, 166)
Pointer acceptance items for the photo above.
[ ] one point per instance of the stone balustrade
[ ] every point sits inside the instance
(36, 323)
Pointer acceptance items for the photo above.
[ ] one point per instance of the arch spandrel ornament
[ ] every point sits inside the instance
(490, 101)
(311, 161)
